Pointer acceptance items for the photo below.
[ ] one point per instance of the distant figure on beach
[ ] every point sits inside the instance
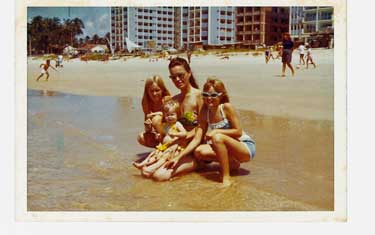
(225, 57)
(44, 70)
(154, 94)
(220, 127)
(287, 53)
(267, 54)
(190, 100)
(188, 53)
(279, 51)
(59, 61)
(309, 57)
(301, 50)
(173, 131)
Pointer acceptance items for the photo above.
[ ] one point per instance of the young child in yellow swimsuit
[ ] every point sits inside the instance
(173, 131)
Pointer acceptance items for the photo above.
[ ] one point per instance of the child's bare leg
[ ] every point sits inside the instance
(139, 165)
(41, 75)
(47, 76)
(150, 169)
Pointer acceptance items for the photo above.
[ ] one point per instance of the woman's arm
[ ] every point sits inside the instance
(200, 130)
(231, 115)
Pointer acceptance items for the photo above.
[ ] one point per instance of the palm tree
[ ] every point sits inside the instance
(95, 39)
(87, 39)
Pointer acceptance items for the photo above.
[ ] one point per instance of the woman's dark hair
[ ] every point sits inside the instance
(177, 61)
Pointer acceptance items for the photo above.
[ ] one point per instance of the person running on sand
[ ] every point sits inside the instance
(44, 70)
(309, 57)
(173, 131)
(287, 53)
(190, 100)
(226, 142)
(154, 94)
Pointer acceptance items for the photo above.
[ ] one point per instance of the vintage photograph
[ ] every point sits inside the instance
(180, 108)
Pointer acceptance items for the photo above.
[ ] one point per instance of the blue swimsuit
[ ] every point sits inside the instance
(224, 124)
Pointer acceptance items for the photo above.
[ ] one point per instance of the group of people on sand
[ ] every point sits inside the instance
(285, 52)
(190, 129)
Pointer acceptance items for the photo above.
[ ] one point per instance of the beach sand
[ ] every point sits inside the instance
(82, 138)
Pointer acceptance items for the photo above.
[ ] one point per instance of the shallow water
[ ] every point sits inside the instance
(80, 150)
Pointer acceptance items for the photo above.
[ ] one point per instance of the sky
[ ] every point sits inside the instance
(95, 19)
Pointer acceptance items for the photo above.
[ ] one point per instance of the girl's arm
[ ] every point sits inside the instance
(41, 65)
(200, 130)
(180, 133)
(231, 115)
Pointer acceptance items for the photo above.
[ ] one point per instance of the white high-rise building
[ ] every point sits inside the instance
(208, 26)
(296, 22)
(148, 27)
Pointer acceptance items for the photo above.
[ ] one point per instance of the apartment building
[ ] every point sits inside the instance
(261, 25)
(148, 27)
(204, 26)
(317, 19)
(296, 16)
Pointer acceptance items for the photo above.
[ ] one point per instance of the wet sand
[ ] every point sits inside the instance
(80, 147)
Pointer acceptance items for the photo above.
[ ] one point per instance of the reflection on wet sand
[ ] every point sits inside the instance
(80, 150)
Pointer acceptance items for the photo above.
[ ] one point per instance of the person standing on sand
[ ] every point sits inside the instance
(190, 100)
(301, 50)
(309, 57)
(188, 53)
(287, 53)
(44, 70)
(267, 55)
(154, 94)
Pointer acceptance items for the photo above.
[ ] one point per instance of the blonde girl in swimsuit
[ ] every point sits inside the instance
(155, 93)
(173, 132)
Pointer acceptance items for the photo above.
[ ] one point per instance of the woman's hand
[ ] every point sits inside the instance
(210, 134)
(148, 125)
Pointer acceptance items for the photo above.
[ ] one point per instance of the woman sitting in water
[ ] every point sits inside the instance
(173, 131)
(190, 101)
(225, 142)
(154, 95)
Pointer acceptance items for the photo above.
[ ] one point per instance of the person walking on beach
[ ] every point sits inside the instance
(59, 61)
(309, 57)
(44, 70)
(267, 54)
(301, 50)
(287, 53)
(154, 94)
(219, 126)
(190, 100)
(188, 53)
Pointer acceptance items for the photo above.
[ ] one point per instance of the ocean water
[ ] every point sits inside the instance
(80, 149)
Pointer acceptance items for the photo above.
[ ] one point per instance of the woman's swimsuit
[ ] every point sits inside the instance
(224, 124)
(188, 120)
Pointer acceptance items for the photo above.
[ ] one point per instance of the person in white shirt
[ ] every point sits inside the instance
(301, 50)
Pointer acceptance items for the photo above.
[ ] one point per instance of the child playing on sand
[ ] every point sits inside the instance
(173, 131)
(45, 70)
(309, 57)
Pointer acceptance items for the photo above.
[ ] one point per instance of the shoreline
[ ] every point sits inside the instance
(251, 84)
